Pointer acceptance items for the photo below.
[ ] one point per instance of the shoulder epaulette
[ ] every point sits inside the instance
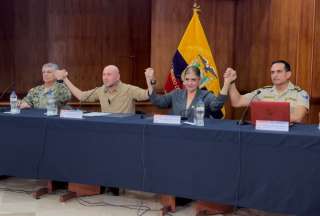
(297, 88)
(266, 87)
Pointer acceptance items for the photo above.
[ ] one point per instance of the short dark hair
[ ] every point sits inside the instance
(287, 66)
(194, 69)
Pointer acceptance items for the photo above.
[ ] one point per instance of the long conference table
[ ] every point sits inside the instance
(221, 162)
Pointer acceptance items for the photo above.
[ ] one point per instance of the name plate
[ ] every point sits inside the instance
(272, 125)
(74, 114)
(13, 113)
(96, 114)
(167, 119)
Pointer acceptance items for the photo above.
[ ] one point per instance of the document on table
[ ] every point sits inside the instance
(93, 114)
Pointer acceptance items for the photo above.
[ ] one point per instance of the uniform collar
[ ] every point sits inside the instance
(118, 87)
(45, 91)
(289, 87)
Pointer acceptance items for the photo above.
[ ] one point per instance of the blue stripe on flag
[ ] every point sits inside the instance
(179, 64)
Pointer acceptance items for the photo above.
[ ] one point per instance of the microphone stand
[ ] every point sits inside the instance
(245, 111)
(87, 99)
(6, 90)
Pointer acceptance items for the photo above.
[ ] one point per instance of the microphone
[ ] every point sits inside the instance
(245, 111)
(204, 96)
(6, 90)
(94, 90)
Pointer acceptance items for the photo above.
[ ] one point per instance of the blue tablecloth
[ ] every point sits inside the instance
(221, 162)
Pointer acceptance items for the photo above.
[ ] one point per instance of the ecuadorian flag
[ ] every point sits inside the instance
(194, 49)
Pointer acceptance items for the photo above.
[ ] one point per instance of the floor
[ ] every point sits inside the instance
(16, 200)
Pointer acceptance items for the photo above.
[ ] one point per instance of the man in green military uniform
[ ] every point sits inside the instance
(282, 90)
(37, 96)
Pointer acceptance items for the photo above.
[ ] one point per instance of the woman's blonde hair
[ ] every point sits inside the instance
(190, 68)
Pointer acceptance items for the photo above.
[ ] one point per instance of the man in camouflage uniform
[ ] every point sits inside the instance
(282, 90)
(37, 96)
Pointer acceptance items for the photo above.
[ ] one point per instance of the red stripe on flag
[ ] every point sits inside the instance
(172, 82)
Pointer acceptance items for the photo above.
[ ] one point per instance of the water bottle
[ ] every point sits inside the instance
(199, 113)
(51, 104)
(14, 103)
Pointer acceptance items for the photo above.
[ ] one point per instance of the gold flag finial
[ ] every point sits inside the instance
(196, 7)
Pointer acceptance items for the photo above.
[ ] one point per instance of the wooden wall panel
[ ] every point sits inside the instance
(6, 44)
(284, 32)
(251, 38)
(315, 76)
(314, 113)
(140, 39)
(85, 36)
(81, 36)
(304, 69)
(265, 31)
(30, 42)
(305, 57)
(315, 86)
(23, 43)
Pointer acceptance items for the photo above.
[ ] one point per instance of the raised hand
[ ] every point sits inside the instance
(149, 73)
(230, 75)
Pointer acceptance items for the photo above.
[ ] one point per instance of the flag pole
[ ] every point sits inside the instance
(196, 7)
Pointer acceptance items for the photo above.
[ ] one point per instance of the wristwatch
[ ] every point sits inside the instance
(153, 82)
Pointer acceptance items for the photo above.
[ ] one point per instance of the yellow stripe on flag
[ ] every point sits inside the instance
(195, 49)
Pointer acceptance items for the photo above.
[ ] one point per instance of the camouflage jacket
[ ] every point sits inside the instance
(37, 96)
